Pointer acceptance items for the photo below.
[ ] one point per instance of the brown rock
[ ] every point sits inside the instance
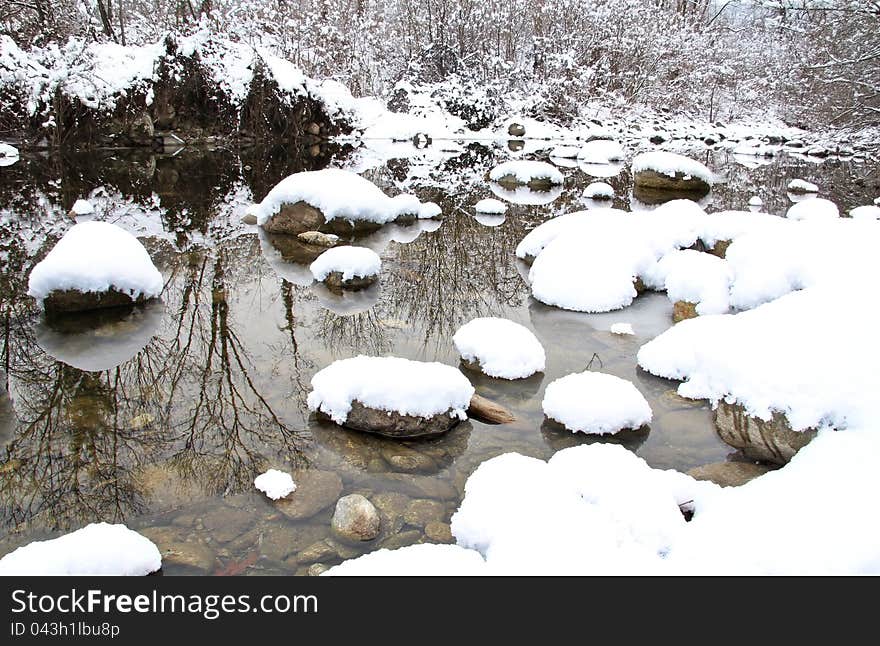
(488, 411)
(315, 490)
(335, 281)
(768, 441)
(729, 474)
(423, 511)
(296, 218)
(439, 532)
(355, 519)
(392, 424)
(681, 182)
(682, 310)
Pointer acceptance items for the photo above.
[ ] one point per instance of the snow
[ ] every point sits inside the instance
(695, 277)
(622, 328)
(275, 484)
(341, 194)
(601, 151)
(869, 212)
(526, 171)
(877, 201)
(489, 220)
(93, 257)
(352, 262)
(813, 210)
(392, 384)
(565, 152)
(670, 164)
(82, 207)
(802, 186)
(491, 205)
(754, 200)
(595, 403)
(415, 560)
(98, 549)
(502, 348)
(599, 190)
(525, 195)
(8, 155)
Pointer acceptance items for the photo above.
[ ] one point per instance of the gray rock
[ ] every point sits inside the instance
(392, 424)
(296, 218)
(516, 130)
(768, 441)
(355, 519)
(402, 539)
(319, 551)
(403, 458)
(315, 490)
(249, 218)
(421, 512)
(177, 551)
(729, 474)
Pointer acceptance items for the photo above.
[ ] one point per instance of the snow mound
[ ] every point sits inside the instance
(670, 164)
(8, 155)
(542, 235)
(93, 257)
(97, 549)
(802, 186)
(695, 277)
(351, 262)
(526, 171)
(622, 328)
(503, 349)
(341, 194)
(415, 560)
(869, 212)
(491, 206)
(82, 207)
(813, 209)
(275, 484)
(601, 151)
(391, 384)
(599, 190)
(595, 403)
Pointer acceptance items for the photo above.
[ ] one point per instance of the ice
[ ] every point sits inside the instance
(526, 171)
(93, 257)
(595, 403)
(391, 384)
(98, 549)
(341, 194)
(491, 206)
(351, 262)
(502, 348)
(275, 484)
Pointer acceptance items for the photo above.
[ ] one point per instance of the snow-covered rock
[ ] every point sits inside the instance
(391, 396)
(802, 186)
(491, 206)
(693, 277)
(868, 212)
(534, 174)
(595, 403)
(623, 329)
(670, 171)
(8, 155)
(95, 264)
(333, 198)
(601, 151)
(97, 549)
(347, 267)
(275, 484)
(500, 348)
(82, 207)
(813, 210)
(599, 191)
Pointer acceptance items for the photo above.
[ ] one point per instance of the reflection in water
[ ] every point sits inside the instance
(525, 195)
(558, 437)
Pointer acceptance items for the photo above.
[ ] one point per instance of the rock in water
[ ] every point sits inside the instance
(355, 519)
(768, 441)
(488, 411)
(516, 130)
(671, 172)
(729, 474)
(347, 267)
(318, 239)
(315, 490)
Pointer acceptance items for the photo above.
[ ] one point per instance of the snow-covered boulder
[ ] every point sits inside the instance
(599, 191)
(802, 186)
(275, 484)
(868, 212)
(499, 348)
(601, 151)
(95, 265)
(336, 201)
(699, 281)
(491, 206)
(97, 549)
(595, 403)
(82, 207)
(816, 209)
(534, 174)
(391, 396)
(347, 267)
(671, 172)
(8, 155)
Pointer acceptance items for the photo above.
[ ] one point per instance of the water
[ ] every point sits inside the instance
(162, 416)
